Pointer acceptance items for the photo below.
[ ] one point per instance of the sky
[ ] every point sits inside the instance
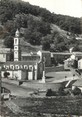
(64, 7)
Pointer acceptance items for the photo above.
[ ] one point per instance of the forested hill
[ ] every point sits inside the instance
(37, 25)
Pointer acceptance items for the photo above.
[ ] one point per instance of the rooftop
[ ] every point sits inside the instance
(67, 53)
(21, 62)
(5, 50)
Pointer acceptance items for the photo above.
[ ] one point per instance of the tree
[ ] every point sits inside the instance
(46, 42)
(35, 38)
(50, 93)
(76, 48)
(9, 41)
(76, 91)
(6, 74)
(58, 42)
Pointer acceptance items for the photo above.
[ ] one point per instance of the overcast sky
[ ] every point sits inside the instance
(65, 7)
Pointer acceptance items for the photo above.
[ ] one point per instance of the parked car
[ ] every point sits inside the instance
(5, 93)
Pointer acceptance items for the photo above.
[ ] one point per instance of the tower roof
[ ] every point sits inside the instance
(17, 33)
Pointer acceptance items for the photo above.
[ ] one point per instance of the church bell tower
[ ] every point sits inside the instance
(17, 50)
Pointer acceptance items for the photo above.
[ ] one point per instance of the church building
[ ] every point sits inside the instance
(23, 68)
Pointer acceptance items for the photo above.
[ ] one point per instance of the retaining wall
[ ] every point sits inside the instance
(43, 86)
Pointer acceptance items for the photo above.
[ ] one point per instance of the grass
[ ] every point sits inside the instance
(56, 105)
(44, 107)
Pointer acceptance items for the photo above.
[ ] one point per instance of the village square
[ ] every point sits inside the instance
(34, 74)
(40, 58)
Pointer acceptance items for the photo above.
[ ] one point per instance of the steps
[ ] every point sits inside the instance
(13, 107)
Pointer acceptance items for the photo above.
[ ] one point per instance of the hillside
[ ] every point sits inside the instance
(38, 26)
(27, 47)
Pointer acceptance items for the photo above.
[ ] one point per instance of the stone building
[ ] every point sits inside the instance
(21, 70)
(26, 66)
(5, 54)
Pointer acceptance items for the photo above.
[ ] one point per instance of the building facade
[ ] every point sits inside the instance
(22, 70)
(5, 54)
(80, 64)
(26, 66)
(45, 55)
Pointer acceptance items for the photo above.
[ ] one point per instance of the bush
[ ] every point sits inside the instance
(76, 91)
(61, 91)
(6, 74)
(20, 82)
(50, 93)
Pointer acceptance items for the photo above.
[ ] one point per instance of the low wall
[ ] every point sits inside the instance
(34, 84)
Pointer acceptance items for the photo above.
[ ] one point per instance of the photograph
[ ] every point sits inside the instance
(40, 58)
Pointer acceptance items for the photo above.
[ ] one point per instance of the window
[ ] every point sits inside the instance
(16, 52)
(4, 66)
(7, 67)
(21, 66)
(15, 41)
(12, 67)
(25, 67)
(16, 66)
(30, 67)
(15, 47)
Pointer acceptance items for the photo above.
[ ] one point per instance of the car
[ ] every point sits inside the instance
(5, 93)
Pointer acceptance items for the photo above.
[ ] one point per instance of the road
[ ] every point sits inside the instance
(17, 90)
(56, 77)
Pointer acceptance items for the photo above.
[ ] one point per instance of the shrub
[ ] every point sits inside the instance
(6, 74)
(50, 93)
(76, 91)
(61, 91)
(20, 82)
